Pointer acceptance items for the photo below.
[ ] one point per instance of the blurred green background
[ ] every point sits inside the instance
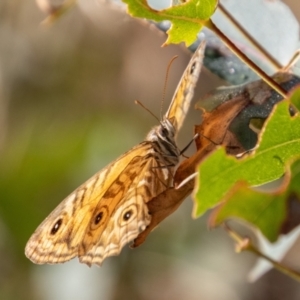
(66, 110)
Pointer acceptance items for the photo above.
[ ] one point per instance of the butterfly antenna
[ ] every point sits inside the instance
(147, 109)
(165, 85)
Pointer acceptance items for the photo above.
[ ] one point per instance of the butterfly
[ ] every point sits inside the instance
(110, 209)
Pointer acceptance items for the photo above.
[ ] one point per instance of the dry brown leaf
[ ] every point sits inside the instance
(212, 132)
(162, 206)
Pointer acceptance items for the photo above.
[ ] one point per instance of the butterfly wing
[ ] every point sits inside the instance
(109, 210)
(185, 90)
(103, 214)
(136, 186)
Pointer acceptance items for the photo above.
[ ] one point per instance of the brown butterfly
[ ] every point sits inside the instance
(109, 210)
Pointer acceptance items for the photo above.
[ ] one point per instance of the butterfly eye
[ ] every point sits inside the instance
(163, 131)
(127, 215)
(98, 218)
(56, 226)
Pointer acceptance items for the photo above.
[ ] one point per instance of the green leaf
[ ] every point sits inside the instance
(294, 185)
(187, 19)
(279, 144)
(295, 98)
(265, 211)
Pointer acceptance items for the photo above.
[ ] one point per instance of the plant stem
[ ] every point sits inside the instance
(245, 244)
(247, 36)
(270, 81)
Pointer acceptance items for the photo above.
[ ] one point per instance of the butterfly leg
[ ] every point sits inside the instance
(188, 145)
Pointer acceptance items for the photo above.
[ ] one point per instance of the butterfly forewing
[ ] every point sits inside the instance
(185, 90)
(109, 210)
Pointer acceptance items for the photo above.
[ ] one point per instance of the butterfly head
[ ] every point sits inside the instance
(163, 139)
(163, 132)
(166, 129)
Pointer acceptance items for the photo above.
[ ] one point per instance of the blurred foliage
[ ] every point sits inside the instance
(64, 114)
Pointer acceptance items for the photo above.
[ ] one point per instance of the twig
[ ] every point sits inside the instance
(246, 244)
(270, 81)
(247, 36)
